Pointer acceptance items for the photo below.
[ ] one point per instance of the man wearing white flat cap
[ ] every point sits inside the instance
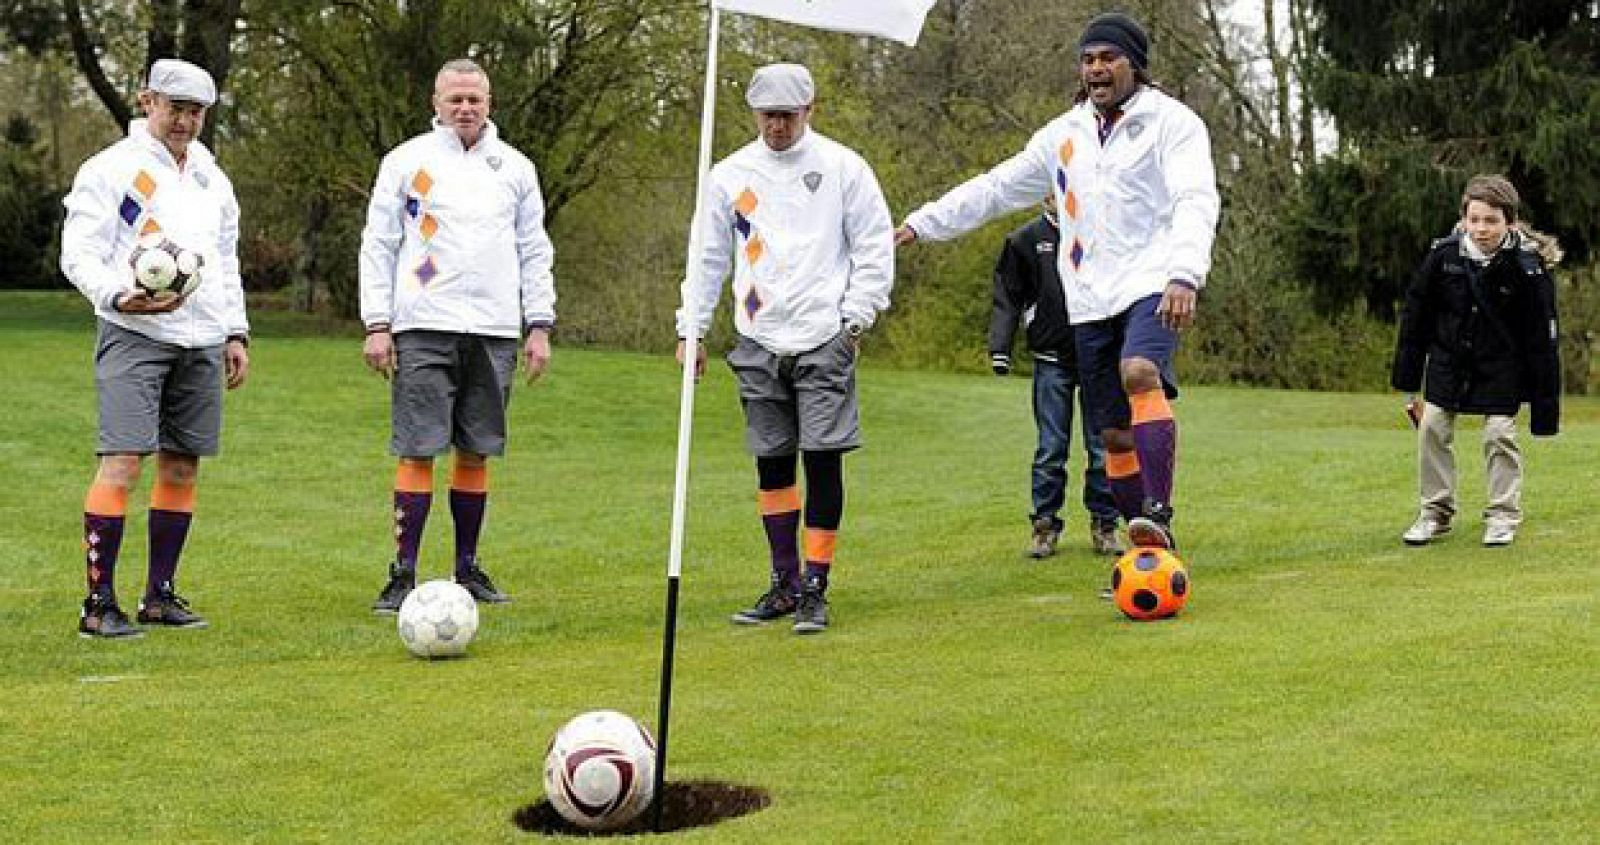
(161, 360)
(801, 221)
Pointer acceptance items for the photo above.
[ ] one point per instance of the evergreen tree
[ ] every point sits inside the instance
(1424, 95)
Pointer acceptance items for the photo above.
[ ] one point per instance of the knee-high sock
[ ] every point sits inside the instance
(1127, 482)
(779, 501)
(824, 512)
(413, 495)
(171, 511)
(1155, 438)
(105, 510)
(469, 496)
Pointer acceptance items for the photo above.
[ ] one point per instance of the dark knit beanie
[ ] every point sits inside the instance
(1122, 32)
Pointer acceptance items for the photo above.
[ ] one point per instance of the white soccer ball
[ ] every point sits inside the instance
(161, 266)
(600, 770)
(438, 619)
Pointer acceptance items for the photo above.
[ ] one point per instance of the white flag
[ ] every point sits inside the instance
(900, 20)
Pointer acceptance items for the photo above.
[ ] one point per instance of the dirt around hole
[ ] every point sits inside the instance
(685, 805)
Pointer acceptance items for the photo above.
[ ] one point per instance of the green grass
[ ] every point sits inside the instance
(1325, 683)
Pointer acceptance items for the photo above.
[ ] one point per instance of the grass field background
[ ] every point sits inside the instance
(1325, 683)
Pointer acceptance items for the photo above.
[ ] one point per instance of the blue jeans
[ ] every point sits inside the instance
(1054, 387)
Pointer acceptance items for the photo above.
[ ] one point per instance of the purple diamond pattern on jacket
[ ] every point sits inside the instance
(752, 303)
(129, 211)
(1077, 253)
(413, 207)
(427, 271)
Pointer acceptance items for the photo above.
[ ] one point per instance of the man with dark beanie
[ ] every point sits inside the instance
(1129, 171)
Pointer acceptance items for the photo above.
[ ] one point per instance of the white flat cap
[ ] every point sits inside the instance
(180, 80)
(780, 88)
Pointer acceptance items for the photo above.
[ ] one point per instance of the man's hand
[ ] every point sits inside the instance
(138, 301)
(236, 360)
(536, 353)
(699, 358)
(378, 350)
(1177, 306)
(904, 235)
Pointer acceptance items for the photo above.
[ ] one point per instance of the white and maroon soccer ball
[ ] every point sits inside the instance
(438, 619)
(599, 772)
(161, 266)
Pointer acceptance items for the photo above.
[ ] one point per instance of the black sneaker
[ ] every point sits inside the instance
(775, 603)
(478, 584)
(401, 582)
(101, 617)
(169, 610)
(811, 616)
(1154, 529)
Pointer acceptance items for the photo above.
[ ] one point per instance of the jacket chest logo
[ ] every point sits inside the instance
(494, 162)
(1134, 128)
(812, 180)
(1045, 248)
(201, 179)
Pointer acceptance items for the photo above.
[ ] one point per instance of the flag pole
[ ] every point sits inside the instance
(691, 351)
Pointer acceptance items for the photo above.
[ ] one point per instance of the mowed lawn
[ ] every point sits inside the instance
(1324, 684)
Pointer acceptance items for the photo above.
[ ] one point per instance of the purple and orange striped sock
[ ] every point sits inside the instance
(105, 512)
(780, 516)
(413, 496)
(1155, 438)
(469, 498)
(820, 543)
(171, 512)
(1127, 483)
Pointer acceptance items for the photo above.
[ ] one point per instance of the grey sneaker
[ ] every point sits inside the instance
(1499, 534)
(811, 616)
(1046, 533)
(101, 617)
(1153, 530)
(478, 584)
(777, 602)
(167, 609)
(401, 582)
(1426, 529)
(1103, 538)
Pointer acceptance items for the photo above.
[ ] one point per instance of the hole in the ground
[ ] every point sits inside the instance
(685, 805)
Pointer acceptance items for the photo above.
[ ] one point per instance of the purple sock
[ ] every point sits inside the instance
(102, 542)
(1128, 491)
(168, 530)
(467, 509)
(410, 515)
(783, 538)
(1156, 442)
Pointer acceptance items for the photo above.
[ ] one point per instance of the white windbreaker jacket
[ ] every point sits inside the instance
(132, 187)
(1136, 213)
(455, 239)
(810, 240)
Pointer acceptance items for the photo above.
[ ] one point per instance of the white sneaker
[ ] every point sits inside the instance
(1499, 534)
(1426, 529)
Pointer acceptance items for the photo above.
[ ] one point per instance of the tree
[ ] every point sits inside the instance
(1425, 94)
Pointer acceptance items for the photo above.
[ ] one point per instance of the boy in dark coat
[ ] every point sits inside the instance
(1479, 330)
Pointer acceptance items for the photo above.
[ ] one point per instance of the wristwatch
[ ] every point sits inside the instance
(854, 329)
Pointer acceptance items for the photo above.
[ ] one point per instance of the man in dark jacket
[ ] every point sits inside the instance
(1027, 289)
(1479, 329)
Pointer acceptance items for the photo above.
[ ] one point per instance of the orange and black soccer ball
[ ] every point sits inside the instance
(1150, 583)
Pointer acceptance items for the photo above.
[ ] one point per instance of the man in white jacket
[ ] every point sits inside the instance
(1129, 170)
(455, 268)
(161, 359)
(801, 221)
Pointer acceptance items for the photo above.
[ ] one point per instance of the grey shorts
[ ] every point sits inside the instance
(156, 396)
(803, 402)
(450, 390)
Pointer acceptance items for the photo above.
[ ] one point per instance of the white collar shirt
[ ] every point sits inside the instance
(1136, 212)
(133, 187)
(455, 240)
(808, 236)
